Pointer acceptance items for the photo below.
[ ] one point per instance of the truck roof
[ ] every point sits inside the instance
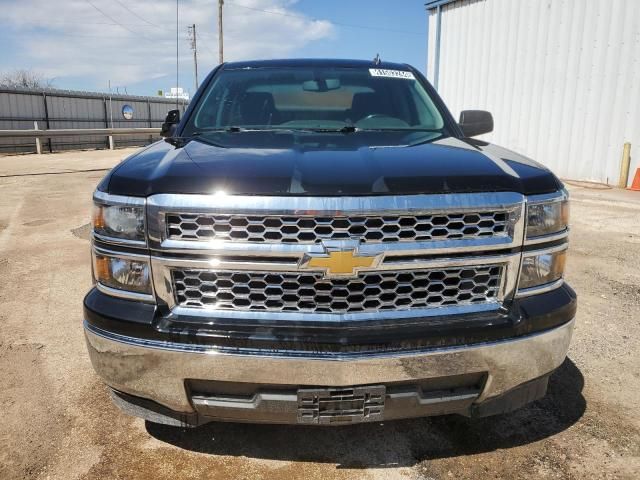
(315, 62)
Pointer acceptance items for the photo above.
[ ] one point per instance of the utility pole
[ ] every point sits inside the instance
(110, 105)
(177, 55)
(194, 47)
(220, 40)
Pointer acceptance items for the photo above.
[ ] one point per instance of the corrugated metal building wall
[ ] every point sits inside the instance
(561, 77)
(58, 109)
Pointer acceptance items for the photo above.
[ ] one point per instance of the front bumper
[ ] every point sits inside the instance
(157, 379)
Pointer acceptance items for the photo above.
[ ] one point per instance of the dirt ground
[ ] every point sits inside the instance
(58, 420)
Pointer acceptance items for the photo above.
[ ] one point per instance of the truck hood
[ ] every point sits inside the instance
(362, 163)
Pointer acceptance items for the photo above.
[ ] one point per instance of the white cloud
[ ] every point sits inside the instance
(71, 38)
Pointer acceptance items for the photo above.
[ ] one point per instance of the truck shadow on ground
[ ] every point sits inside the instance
(394, 444)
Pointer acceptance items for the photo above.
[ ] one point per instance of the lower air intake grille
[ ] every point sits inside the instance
(311, 293)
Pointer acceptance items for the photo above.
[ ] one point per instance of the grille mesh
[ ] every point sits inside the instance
(314, 229)
(309, 292)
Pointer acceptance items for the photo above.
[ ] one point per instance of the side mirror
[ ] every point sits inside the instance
(170, 122)
(475, 122)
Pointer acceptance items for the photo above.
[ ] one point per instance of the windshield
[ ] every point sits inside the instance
(315, 99)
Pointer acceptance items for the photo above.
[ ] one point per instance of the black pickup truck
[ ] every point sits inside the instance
(319, 242)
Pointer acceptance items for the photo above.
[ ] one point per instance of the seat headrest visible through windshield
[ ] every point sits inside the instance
(256, 108)
(369, 103)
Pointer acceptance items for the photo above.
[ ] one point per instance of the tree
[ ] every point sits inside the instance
(24, 78)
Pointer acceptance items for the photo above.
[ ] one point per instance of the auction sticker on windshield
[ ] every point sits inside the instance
(381, 72)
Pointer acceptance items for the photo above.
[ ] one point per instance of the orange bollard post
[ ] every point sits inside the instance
(636, 181)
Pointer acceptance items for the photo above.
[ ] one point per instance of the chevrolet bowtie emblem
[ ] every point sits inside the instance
(340, 263)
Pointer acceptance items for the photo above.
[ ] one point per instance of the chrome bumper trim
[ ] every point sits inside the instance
(332, 319)
(157, 370)
(432, 247)
(288, 205)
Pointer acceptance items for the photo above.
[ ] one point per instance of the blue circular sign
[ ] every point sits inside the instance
(127, 112)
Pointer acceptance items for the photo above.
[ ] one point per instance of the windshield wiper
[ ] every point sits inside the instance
(346, 129)
(350, 128)
(180, 142)
(402, 129)
(229, 129)
(236, 129)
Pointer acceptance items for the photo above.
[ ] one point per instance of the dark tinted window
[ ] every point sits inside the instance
(315, 98)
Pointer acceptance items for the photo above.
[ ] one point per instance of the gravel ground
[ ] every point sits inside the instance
(58, 421)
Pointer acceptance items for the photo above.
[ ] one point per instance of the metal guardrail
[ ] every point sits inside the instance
(78, 132)
(38, 134)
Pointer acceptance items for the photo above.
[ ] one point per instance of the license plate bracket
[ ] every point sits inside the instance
(342, 405)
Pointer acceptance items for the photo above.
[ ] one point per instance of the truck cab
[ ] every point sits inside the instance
(320, 242)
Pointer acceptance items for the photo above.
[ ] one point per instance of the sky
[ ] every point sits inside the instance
(131, 44)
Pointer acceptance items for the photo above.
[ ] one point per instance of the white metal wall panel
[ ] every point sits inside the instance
(561, 77)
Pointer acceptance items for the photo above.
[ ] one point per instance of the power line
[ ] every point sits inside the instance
(204, 44)
(56, 32)
(83, 22)
(79, 35)
(110, 17)
(348, 25)
(48, 25)
(118, 23)
(136, 15)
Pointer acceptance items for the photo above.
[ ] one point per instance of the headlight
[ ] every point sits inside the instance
(119, 217)
(545, 218)
(122, 273)
(542, 269)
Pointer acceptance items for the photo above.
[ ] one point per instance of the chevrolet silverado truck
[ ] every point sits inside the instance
(319, 242)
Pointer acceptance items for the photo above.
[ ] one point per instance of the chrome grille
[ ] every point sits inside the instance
(314, 229)
(311, 293)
